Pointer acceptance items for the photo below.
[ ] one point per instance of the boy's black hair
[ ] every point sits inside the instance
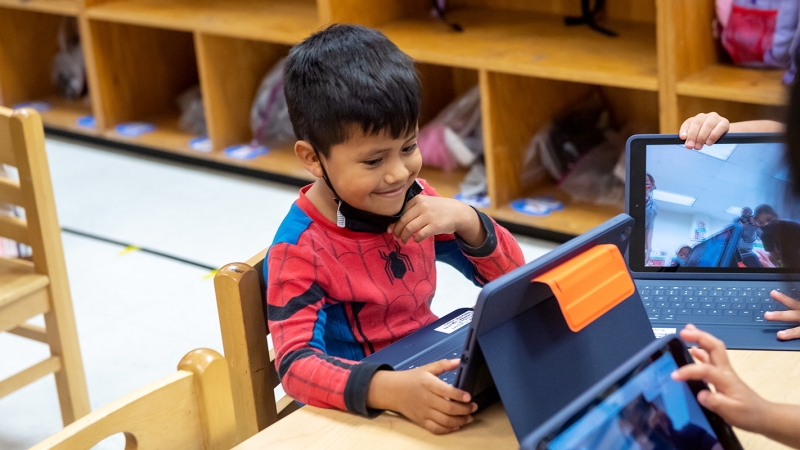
(350, 75)
(765, 209)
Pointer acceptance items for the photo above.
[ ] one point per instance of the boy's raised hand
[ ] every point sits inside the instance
(427, 216)
(703, 129)
(419, 395)
(732, 399)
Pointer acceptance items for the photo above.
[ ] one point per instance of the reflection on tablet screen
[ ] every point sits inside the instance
(726, 206)
(649, 412)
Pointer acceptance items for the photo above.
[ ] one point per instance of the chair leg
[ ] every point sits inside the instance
(62, 335)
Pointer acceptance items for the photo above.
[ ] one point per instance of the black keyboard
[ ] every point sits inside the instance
(706, 304)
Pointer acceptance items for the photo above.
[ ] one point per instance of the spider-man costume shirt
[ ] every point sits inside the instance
(335, 296)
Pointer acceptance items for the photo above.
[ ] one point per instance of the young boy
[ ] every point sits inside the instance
(352, 267)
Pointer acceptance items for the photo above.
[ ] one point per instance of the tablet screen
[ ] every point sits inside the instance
(644, 410)
(726, 208)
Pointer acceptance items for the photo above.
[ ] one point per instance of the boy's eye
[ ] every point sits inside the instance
(372, 162)
(410, 148)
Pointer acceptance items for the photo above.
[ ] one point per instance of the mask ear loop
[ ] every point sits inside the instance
(340, 220)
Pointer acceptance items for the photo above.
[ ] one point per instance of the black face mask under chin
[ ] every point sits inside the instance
(355, 219)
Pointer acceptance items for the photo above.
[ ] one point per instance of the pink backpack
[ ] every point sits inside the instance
(759, 33)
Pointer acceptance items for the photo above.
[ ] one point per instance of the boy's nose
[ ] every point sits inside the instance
(396, 172)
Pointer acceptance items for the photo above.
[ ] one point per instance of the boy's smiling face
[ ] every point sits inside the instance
(373, 172)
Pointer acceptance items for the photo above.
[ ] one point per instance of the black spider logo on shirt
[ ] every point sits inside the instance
(397, 264)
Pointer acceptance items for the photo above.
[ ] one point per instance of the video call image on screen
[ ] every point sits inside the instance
(650, 411)
(728, 205)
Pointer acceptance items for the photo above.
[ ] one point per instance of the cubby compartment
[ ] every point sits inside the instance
(28, 46)
(734, 111)
(440, 86)
(698, 66)
(530, 38)
(515, 108)
(231, 71)
(141, 71)
(283, 21)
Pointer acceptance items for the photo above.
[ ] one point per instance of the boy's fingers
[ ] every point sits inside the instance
(780, 297)
(783, 316)
(705, 132)
(439, 367)
(791, 333)
(713, 346)
(426, 232)
(684, 128)
(721, 128)
(435, 428)
(691, 131)
(448, 421)
(715, 401)
(452, 408)
(699, 355)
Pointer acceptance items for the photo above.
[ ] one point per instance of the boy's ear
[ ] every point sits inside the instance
(308, 158)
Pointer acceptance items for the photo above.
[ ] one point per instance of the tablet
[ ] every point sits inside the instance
(638, 406)
(727, 209)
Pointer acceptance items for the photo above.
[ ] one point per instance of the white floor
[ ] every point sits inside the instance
(138, 313)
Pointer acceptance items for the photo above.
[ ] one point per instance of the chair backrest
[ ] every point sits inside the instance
(22, 146)
(189, 409)
(241, 302)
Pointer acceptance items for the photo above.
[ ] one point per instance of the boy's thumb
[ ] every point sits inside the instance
(442, 366)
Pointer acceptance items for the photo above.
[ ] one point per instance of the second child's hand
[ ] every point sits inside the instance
(792, 315)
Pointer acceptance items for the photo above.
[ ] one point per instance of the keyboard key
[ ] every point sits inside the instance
(684, 312)
(675, 298)
(670, 317)
(648, 304)
(692, 305)
(730, 312)
(770, 307)
(702, 292)
(715, 312)
(736, 299)
(677, 305)
(662, 305)
(752, 300)
(707, 305)
(644, 291)
(698, 312)
(745, 312)
(748, 294)
(723, 306)
(755, 306)
(653, 317)
(652, 311)
(687, 292)
(668, 311)
(738, 306)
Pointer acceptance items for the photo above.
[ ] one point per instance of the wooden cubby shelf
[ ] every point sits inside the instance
(727, 82)
(664, 67)
(532, 44)
(63, 7)
(281, 21)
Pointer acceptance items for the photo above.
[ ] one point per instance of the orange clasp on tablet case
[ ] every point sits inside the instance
(590, 284)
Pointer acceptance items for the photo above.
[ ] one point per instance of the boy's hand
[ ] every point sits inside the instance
(792, 315)
(422, 397)
(733, 400)
(703, 129)
(427, 216)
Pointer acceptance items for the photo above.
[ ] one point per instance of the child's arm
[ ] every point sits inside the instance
(733, 400)
(707, 128)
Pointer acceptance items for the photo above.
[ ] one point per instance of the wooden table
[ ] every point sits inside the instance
(774, 375)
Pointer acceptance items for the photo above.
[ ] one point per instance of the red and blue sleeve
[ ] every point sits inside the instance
(296, 303)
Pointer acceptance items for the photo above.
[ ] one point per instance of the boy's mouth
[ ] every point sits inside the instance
(391, 193)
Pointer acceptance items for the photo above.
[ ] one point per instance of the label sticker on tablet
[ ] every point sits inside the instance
(661, 332)
(455, 324)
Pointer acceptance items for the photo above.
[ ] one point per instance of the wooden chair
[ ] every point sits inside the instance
(241, 301)
(28, 288)
(190, 409)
